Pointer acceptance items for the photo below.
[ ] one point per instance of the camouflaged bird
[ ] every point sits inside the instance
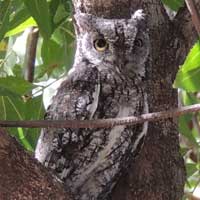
(106, 81)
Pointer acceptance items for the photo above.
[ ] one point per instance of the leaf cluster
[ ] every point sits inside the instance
(20, 99)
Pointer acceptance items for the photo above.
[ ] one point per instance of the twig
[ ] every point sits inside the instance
(194, 13)
(102, 123)
(31, 47)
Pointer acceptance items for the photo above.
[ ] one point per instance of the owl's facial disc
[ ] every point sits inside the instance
(118, 43)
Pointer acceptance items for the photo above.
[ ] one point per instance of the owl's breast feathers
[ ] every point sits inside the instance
(87, 160)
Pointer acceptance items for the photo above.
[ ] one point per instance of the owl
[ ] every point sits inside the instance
(107, 80)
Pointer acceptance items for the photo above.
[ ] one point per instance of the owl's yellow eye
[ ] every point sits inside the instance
(100, 45)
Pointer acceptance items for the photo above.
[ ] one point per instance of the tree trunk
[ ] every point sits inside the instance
(158, 171)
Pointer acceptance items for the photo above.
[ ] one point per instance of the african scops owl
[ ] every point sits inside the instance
(106, 81)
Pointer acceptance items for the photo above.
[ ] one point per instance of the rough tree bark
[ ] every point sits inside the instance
(158, 171)
(22, 177)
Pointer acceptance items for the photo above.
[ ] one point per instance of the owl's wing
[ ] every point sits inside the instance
(76, 98)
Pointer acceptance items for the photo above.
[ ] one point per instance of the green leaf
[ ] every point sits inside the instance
(27, 23)
(18, 71)
(44, 69)
(19, 16)
(7, 92)
(191, 169)
(189, 80)
(3, 46)
(5, 8)
(60, 15)
(184, 128)
(11, 109)
(174, 4)
(24, 140)
(34, 110)
(16, 109)
(183, 151)
(57, 54)
(3, 53)
(188, 75)
(15, 85)
(39, 10)
(54, 56)
(51, 52)
(193, 59)
(189, 98)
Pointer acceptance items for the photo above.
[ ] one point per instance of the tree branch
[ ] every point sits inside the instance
(31, 47)
(22, 177)
(194, 13)
(102, 123)
(187, 26)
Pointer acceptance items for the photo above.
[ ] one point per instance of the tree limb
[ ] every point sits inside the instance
(194, 13)
(102, 123)
(187, 26)
(22, 177)
(29, 63)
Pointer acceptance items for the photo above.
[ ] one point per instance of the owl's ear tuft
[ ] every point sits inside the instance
(83, 21)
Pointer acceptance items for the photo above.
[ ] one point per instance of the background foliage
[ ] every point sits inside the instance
(22, 100)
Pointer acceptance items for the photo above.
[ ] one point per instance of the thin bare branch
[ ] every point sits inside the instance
(31, 47)
(194, 13)
(102, 123)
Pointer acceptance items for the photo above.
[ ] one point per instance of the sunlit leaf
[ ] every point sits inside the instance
(18, 16)
(188, 75)
(174, 4)
(26, 24)
(3, 45)
(22, 138)
(189, 80)
(193, 59)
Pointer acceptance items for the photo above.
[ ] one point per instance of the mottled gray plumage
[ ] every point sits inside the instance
(106, 81)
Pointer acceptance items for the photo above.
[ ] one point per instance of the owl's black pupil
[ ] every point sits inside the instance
(101, 43)
(138, 42)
